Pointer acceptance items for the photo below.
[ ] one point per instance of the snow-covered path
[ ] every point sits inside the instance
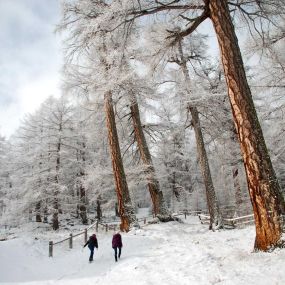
(170, 253)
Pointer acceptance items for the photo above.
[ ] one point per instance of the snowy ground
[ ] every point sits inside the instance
(170, 253)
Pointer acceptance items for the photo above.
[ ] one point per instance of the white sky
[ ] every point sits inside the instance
(30, 58)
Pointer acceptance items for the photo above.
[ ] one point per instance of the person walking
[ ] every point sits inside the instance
(92, 243)
(117, 245)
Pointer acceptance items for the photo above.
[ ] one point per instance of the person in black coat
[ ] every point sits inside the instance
(92, 243)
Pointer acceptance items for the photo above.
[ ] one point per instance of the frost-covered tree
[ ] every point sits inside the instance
(5, 173)
(44, 153)
(130, 88)
(263, 186)
(29, 170)
(269, 83)
(162, 58)
(105, 54)
(175, 156)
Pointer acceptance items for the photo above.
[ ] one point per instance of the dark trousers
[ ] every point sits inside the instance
(91, 253)
(116, 251)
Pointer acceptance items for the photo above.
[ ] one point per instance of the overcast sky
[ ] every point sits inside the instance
(30, 58)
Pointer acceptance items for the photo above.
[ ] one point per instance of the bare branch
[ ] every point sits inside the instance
(177, 36)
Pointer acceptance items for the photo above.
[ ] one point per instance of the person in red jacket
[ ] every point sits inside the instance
(92, 243)
(117, 245)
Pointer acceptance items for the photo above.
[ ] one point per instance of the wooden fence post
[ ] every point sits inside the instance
(185, 214)
(85, 235)
(70, 241)
(106, 227)
(144, 220)
(50, 249)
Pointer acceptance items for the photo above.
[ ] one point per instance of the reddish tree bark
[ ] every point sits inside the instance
(126, 210)
(263, 186)
(216, 220)
(159, 207)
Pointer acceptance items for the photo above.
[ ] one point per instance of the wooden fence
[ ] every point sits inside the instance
(236, 221)
(233, 222)
(105, 227)
(204, 218)
(229, 222)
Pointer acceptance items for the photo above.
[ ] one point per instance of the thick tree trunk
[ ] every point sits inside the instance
(216, 220)
(117, 214)
(98, 209)
(55, 221)
(126, 209)
(45, 220)
(39, 203)
(82, 193)
(173, 183)
(38, 212)
(159, 206)
(263, 186)
(82, 206)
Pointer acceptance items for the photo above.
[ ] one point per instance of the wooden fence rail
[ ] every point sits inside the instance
(234, 222)
(204, 218)
(107, 227)
(231, 222)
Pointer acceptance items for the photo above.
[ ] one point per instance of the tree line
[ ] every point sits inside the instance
(144, 97)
